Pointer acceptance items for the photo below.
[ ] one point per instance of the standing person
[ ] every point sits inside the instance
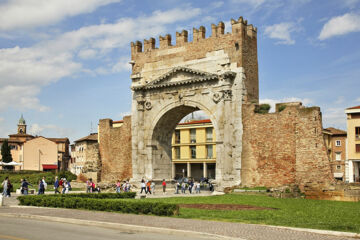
(128, 186)
(198, 187)
(61, 182)
(191, 185)
(66, 187)
(183, 187)
(56, 185)
(148, 187)
(63, 186)
(4, 184)
(89, 185)
(143, 186)
(25, 186)
(118, 186)
(152, 185)
(164, 186)
(9, 188)
(177, 186)
(45, 184)
(21, 188)
(41, 189)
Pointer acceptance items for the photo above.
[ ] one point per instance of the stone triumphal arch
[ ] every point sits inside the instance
(216, 74)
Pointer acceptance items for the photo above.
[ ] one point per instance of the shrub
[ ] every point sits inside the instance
(263, 108)
(281, 108)
(116, 205)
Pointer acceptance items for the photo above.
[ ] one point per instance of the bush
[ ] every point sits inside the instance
(263, 108)
(106, 204)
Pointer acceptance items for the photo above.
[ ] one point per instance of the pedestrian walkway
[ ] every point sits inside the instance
(178, 225)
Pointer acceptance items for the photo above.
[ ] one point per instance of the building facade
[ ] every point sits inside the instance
(81, 152)
(335, 140)
(37, 152)
(194, 150)
(353, 144)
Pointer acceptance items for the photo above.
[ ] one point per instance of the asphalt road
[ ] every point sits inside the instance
(23, 229)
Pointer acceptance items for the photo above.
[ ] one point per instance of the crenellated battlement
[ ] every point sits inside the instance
(240, 28)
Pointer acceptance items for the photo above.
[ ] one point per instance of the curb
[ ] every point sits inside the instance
(123, 227)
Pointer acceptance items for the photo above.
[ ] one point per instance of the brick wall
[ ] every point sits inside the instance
(115, 150)
(284, 147)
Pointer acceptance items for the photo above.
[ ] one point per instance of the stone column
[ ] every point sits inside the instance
(172, 170)
(204, 169)
(188, 169)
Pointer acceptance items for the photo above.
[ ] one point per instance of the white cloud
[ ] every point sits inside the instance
(358, 99)
(17, 14)
(341, 25)
(25, 71)
(49, 130)
(334, 117)
(252, 3)
(282, 32)
(273, 102)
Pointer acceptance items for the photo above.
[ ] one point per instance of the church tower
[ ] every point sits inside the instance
(22, 125)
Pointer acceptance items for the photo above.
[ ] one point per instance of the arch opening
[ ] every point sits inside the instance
(183, 145)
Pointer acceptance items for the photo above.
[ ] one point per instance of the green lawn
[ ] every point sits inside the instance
(304, 213)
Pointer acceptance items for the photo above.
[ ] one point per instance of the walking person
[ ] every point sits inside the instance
(9, 188)
(148, 187)
(25, 186)
(177, 187)
(143, 186)
(164, 186)
(191, 185)
(56, 185)
(63, 186)
(4, 184)
(128, 186)
(89, 185)
(45, 184)
(118, 186)
(66, 187)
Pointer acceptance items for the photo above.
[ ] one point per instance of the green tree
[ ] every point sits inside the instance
(6, 154)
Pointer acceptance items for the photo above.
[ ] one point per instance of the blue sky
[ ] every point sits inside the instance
(64, 64)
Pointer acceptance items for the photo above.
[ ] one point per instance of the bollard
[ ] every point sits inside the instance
(1, 200)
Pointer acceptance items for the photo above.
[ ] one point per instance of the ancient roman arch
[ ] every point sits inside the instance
(215, 74)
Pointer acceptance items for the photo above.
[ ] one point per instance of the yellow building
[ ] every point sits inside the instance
(353, 144)
(194, 150)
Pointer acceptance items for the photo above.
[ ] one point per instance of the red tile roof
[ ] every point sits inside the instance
(91, 137)
(196, 122)
(57, 140)
(356, 107)
(336, 131)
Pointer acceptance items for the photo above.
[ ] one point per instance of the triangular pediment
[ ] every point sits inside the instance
(180, 76)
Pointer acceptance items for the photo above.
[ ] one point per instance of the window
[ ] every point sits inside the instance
(357, 132)
(338, 167)
(357, 147)
(209, 134)
(338, 156)
(193, 151)
(193, 135)
(209, 151)
(177, 152)
(337, 143)
(177, 136)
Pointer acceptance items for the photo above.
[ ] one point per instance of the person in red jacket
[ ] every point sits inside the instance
(164, 186)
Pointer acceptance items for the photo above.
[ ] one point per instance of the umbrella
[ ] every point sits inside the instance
(12, 164)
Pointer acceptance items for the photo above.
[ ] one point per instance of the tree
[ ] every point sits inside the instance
(6, 154)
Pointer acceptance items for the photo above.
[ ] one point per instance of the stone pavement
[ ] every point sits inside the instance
(228, 229)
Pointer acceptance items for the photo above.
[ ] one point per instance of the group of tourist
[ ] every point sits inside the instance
(91, 187)
(123, 186)
(63, 184)
(148, 186)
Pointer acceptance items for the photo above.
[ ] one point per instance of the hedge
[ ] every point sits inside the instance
(110, 205)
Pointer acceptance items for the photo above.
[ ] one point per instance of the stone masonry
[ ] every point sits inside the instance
(115, 150)
(92, 166)
(284, 148)
(215, 74)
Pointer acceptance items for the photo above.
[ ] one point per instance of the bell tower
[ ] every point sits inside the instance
(22, 125)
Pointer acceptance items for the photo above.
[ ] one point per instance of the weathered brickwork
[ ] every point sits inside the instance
(284, 148)
(92, 165)
(115, 150)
